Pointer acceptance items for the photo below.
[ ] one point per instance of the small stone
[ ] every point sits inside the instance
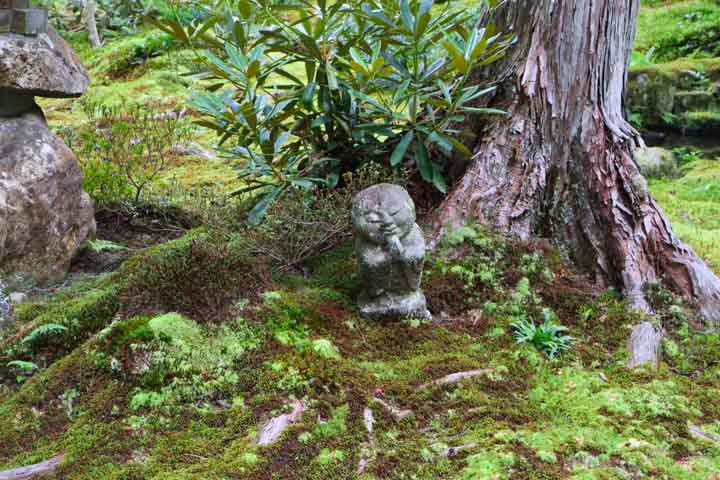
(656, 162)
(7, 314)
(391, 252)
(17, 297)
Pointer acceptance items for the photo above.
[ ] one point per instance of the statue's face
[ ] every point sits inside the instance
(381, 211)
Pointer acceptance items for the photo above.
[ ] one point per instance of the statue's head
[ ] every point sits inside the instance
(379, 206)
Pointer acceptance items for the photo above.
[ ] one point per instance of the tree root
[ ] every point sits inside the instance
(397, 413)
(369, 447)
(700, 434)
(33, 471)
(455, 377)
(644, 345)
(271, 431)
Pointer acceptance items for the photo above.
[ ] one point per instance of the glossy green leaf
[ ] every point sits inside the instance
(399, 151)
(422, 161)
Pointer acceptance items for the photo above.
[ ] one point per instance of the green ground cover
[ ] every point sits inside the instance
(131, 391)
(679, 29)
(693, 204)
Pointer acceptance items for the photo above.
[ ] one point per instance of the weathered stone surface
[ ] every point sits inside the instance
(7, 315)
(695, 101)
(391, 251)
(44, 214)
(30, 21)
(44, 66)
(656, 161)
(14, 4)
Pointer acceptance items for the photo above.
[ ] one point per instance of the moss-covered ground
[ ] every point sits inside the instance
(692, 203)
(167, 368)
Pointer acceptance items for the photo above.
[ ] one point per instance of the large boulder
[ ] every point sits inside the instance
(42, 65)
(655, 162)
(44, 214)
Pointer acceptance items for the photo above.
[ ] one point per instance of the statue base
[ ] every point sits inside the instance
(403, 305)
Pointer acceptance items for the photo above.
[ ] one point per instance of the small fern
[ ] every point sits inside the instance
(99, 246)
(325, 349)
(43, 332)
(27, 367)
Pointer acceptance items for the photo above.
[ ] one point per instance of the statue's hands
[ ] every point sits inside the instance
(391, 232)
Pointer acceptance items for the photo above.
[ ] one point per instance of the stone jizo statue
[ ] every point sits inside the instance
(391, 251)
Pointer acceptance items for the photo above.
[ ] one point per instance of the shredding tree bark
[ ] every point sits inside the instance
(560, 163)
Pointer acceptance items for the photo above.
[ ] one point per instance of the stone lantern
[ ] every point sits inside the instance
(44, 214)
(16, 16)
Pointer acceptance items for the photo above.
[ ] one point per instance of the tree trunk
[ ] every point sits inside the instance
(89, 10)
(560, 164)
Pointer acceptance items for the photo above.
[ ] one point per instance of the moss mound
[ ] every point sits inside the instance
(146, 387)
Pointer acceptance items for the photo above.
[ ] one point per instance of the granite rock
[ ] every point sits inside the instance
(44, 214)
(42, 65)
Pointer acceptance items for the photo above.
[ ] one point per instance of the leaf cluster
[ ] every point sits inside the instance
(549, 337)
(300, 93)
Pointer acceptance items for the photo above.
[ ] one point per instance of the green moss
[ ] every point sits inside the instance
(149, 408)
(680, 29)
(119, 58)
(175, 327)
(198, 275)
(80, 315)
(691, 202)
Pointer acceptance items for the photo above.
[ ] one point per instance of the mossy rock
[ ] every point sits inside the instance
(695, 101)
(656, 162)
(667, 96)
(652, 96)
(700, 122)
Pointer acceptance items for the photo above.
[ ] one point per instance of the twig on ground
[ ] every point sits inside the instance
(369, 447)
(453, 451)
(700, 434)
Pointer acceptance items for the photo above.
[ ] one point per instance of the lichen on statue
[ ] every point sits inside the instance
(391, 252)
